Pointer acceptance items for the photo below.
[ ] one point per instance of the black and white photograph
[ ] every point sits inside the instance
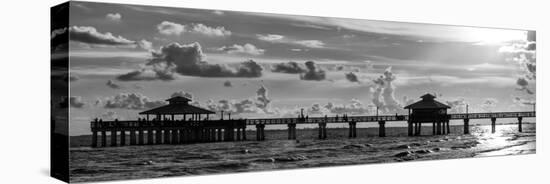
(150, 91)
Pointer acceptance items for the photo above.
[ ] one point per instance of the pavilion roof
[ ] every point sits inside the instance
(178, 105)
(427, 102)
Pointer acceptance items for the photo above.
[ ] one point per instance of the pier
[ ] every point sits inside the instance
(170, 124)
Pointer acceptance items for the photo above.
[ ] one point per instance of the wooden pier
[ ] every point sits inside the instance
(167, 129)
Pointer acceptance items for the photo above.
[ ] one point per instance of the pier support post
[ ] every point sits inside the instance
(260, 135)
(94, 139)
(220, 138)
(122, 138)
(113, 137)
(150, 136)
(419, 128)
(433, 128)
(182, 135)
(466, 126)
(158, 136)
(174, 136)
(443, 128)
(382, 128)
(493, 125)
(140, 137)
(132, 137)
(244, 133)
(438, 128)
(352, 129)
(238, 134)
(291, 131)
(166, 136)
(520, 119)
(322, 130)
(410, 132)
(104, 138)
(448, 127)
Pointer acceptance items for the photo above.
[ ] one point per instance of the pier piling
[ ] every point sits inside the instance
(103, 138)
(493, 125)
(94, 139)
(466, 126)
(132, 137)
(410, 128)
(140, 137)
(122, 138)
(158, 136)
(382, 128)
(113, 138)
(150, 136)
(448, 127)
(519, 124)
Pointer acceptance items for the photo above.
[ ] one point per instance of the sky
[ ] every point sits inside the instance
(125, 59)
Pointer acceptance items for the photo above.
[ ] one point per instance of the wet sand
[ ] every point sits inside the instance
(133, 162)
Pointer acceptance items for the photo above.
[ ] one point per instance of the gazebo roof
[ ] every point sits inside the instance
(427, 102)
(178, 105)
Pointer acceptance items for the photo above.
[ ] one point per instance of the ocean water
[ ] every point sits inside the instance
(134, 162)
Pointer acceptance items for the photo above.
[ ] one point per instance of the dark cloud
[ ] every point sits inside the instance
(112, 84)
(313, 72)
(73, 77)
(133, 101)
(190, 60)
(90, 35)
(227, 84)
(156, 72)
(523, 85)
(289, 67)
(76, 102)
(352, 77)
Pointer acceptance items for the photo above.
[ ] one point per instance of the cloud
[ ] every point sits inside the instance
(523, 85)
(150, 73)
(132, 101)
(488, 104)
(110, 116)
(182, 94)
(210, 31)
(383, 93)
(90, 35)
(76, 102)
(457, 105)
(352, 77)
(146, 45)
(218, 12)
(170, 28)
(313, 72)
(354, 107)
(188, 59)
(270, 37)
(113, 17)
(523, 102)
(289, 67)
(524, 54)
(242, 49)
(310, 43)
(227, 84)
(113, 85)
(73, 77)
(258, 104)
